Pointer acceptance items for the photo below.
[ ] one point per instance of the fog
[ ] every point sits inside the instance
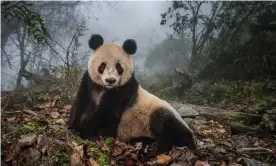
(116, 22)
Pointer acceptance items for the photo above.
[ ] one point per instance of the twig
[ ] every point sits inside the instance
(55, 51)
(11, 6)
(30, 112)
(256, 150)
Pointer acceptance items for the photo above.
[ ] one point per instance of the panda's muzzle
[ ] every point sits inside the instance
(110, 80)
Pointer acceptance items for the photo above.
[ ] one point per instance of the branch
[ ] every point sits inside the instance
(8, 60)
(68, 48)
(11, 6)
(55, 51)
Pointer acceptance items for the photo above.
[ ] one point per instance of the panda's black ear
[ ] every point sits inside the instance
(130, 46)
(95, 41)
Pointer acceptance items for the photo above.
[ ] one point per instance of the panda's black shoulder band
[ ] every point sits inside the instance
(130, 46)
(95, 41)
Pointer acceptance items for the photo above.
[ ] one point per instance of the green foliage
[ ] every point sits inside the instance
(43, 96)
(62, 159)
(101, 156)
(238, 50)
(108, 141)
(21, 11)
(29, 127)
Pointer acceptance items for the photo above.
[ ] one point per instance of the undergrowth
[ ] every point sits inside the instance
(254, 94)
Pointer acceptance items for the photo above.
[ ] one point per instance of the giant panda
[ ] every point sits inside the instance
(110, 102)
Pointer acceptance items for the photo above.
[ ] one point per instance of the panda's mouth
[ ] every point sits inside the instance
(109, 86)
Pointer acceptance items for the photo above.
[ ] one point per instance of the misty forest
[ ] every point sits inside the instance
(213, 61)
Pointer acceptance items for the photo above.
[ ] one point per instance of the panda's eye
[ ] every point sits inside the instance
(119, 68)
(101, 68)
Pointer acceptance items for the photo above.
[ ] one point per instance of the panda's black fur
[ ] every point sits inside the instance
(110, 110)
(104, 119)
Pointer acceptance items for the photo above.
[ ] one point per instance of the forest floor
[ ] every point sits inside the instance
(38, 135)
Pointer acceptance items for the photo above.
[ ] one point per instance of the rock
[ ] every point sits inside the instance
(249, 162)
(188, 120)
(27, 140)
(28, 157)
(272, 112)
(185, 110)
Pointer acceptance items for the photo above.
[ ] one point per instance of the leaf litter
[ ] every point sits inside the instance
(40, 136)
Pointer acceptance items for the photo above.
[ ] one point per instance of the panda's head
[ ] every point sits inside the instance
(110, 65)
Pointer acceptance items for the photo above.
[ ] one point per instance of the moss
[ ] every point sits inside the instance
(108, 141)
(102, 157)
(62, 159)
(43, 96)
(233, 117)
(30, 127)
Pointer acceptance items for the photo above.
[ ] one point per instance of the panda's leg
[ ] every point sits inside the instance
(170, 131)
(80, 104)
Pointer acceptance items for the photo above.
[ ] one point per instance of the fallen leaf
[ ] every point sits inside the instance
(60, 121)
(201, 163)
(103, 145)
(54, 115)
(163, 159)
(74, 143)
(26, 119)
(12, 119)
(222, 163)
(30, 112)
(45, 105)
(234, 164)
(92, 162)
(67, 107)
(54, 102)
(227, 144)
(221, 131)
(75, 159)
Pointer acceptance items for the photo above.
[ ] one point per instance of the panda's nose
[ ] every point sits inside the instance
(110, 80)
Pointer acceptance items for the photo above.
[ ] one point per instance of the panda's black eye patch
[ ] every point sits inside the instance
(101, 68)
(119, 68)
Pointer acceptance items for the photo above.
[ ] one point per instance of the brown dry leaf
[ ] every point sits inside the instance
(45, 105)
(117, 151)
(60, 121)
(222, 163)
(201, 163)
(76, 157)
(138, 146)
(54, 102)
(26, 119)
(74, 143)
(76, 160)
(11, 119)
(67, 107)
(103, 145)
(182, 154)
(92, 162)
(234, 164)
(163, 159)
(54, 115)
(227, 144)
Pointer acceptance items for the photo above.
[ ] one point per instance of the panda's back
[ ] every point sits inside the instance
(135, 120)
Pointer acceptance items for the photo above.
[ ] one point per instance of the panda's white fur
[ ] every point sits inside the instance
(110, 102)
(135, 120)
(110, 54)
